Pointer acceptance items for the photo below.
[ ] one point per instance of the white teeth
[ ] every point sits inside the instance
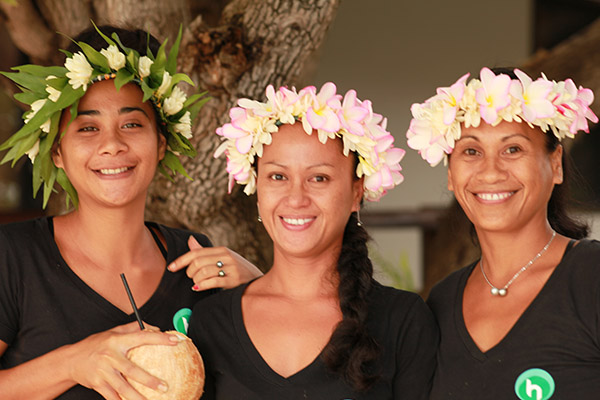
(110, 171)
(494, 196)
(297, 221)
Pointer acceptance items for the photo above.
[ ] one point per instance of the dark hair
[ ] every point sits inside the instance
(558, 217)
(351, 351)
(136, 39)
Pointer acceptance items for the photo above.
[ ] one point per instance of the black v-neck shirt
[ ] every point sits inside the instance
(559, 333)
(399, 321)
(45, 305)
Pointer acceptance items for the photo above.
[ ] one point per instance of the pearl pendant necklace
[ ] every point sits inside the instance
(504, 290)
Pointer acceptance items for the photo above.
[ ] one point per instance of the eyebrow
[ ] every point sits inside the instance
(124, 110)
(504, 139)
(324, 164)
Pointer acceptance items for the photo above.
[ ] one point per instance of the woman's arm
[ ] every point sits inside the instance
(98, 362)
(201, 263)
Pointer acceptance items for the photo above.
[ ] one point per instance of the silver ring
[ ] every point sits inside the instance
(220, 264)
(222, 273)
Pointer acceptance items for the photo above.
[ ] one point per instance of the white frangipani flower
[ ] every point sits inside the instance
(164, 86)
(80, 71)
(144, 65)
(35, 107)
(184, 126)
(33, 151)
(116, 59)
(174, 103)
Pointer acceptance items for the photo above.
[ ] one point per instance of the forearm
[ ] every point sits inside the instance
(45, 377)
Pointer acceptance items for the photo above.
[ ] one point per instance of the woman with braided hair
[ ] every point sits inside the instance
(317, 325)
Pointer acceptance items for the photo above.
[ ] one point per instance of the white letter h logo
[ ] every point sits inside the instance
(530, 388)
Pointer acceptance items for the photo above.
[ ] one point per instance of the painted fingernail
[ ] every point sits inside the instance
(195, 288)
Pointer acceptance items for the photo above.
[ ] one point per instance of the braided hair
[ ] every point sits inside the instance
(351, 351)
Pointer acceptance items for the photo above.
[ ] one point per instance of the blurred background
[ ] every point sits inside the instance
(396, 53)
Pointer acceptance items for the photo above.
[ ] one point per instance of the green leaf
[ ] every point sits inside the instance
(34, 124)
(33, 83)
(48, 188)
(37, 179)
(159, 65)
(171, 162)
(9, 156)
(27, 97)
(148, 91)
(133, 60)
(66, 184)
(25, 145)
(47, 166)
(126, 49)
(68, 97)
(195, 108)
(58, 83)
(171, 65)
(46, 142)
(149, 53)
(123, 77)
(41, 71)
(195, 97)
(181, 145)
(181, 77)
(68, 54)
(108, 40)
(95, 57)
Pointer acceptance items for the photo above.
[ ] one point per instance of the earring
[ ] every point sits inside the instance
(358, 222)
(258, 218)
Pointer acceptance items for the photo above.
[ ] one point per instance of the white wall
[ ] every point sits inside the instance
(398, 52)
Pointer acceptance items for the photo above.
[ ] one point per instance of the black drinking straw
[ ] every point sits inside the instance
(135, 309)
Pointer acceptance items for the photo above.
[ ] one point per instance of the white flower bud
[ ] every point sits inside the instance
(174, 103)
(116, 59)
(164, 86)
(80, 71)
(144, 65)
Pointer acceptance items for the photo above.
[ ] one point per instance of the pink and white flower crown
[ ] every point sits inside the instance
(326, 112)
(559, 106)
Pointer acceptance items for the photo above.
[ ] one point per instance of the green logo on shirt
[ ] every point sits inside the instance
(534, 384)
(181, 320)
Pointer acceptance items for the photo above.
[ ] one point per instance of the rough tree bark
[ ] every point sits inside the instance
(254, 43)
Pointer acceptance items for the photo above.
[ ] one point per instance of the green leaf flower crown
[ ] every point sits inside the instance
(50, 90)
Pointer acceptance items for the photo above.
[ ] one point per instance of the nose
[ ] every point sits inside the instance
(298, 194)
(112, 142)
(492, 169)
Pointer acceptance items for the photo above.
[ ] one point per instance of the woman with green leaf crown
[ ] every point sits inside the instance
(99, 127)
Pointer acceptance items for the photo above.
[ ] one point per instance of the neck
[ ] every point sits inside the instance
(503, 253)
(304, 277)
(118, 234)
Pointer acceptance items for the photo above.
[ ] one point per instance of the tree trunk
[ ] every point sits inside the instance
(254, 43)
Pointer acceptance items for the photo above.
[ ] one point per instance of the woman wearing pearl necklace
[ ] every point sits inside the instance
(523, 320)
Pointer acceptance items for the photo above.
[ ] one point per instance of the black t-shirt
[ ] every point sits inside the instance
(399, 321)
(45, 305)
(559, 334)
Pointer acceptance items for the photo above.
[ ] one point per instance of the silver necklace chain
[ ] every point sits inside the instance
(504, 291)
